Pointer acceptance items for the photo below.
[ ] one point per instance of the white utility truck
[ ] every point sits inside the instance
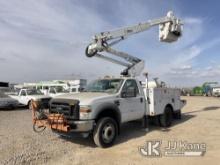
(216, 91)
(24, 96)
(109, 102)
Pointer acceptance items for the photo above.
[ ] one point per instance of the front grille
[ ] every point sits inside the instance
(70, 111)
(45, 102)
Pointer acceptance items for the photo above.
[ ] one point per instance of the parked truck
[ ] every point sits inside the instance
(216, 91)
(107, 103)
(205, 90)
(56, 91)
(24, 96)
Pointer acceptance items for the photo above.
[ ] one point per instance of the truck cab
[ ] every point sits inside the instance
(111, 100)
(56, 91)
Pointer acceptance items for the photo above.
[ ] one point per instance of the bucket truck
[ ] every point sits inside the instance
(109, 102)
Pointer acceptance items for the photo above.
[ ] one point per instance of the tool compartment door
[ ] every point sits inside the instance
(155, 95)
(160, 97)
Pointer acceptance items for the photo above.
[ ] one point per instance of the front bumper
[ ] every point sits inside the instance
(217, 94)
(82, 126)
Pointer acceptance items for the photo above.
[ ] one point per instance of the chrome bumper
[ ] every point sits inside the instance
(83, 126)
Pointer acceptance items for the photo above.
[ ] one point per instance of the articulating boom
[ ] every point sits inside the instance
(170, 29)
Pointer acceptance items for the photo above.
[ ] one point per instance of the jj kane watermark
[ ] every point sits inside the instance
(174, 148)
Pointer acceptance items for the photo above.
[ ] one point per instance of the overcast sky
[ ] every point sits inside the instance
(46, 39)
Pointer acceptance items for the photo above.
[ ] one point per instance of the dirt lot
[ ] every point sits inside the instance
(200, 124)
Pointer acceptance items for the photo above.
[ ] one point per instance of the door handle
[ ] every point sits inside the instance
(141, 99)
(117, 102)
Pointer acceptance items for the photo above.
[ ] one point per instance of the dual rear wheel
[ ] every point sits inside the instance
(167, 117)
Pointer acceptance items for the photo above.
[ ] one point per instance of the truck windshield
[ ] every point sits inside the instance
(33, 92)
(105, 85)
(61, 90)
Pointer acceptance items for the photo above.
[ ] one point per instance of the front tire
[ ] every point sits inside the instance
(29, 105)
(105, 132)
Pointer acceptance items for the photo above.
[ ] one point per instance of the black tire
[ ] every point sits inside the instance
(29, 105)
(167, 117)
(177, 115)
(105, 132)
(11, 107)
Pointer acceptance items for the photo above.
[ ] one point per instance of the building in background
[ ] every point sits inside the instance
(60, 85)
(4, 86)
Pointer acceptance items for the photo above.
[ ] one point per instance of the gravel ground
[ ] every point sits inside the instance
(200, 124)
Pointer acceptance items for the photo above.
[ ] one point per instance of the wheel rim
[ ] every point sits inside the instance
(108, 132)
(30, 106)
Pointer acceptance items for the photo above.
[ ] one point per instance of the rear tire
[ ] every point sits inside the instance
(11, 107)
(177, 114)
(105, 132)
(166, 117)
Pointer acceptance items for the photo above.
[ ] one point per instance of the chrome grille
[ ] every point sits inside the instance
(69, 111)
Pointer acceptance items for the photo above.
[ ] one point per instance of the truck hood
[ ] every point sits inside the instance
(38, 97)
(85, 98)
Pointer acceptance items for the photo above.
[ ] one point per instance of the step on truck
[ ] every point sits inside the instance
(109, 102)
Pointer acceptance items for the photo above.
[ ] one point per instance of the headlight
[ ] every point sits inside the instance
(85, 109)
(84, 112)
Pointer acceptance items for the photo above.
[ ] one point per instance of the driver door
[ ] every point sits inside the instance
(132, 104)
(23, 97)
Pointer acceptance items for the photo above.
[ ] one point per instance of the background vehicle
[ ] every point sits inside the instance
(73, 86)
(7, 102)
(56, 91)
(216, 91)
(24, 96)
(197, 91)
(205, 89)
(208, 87)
